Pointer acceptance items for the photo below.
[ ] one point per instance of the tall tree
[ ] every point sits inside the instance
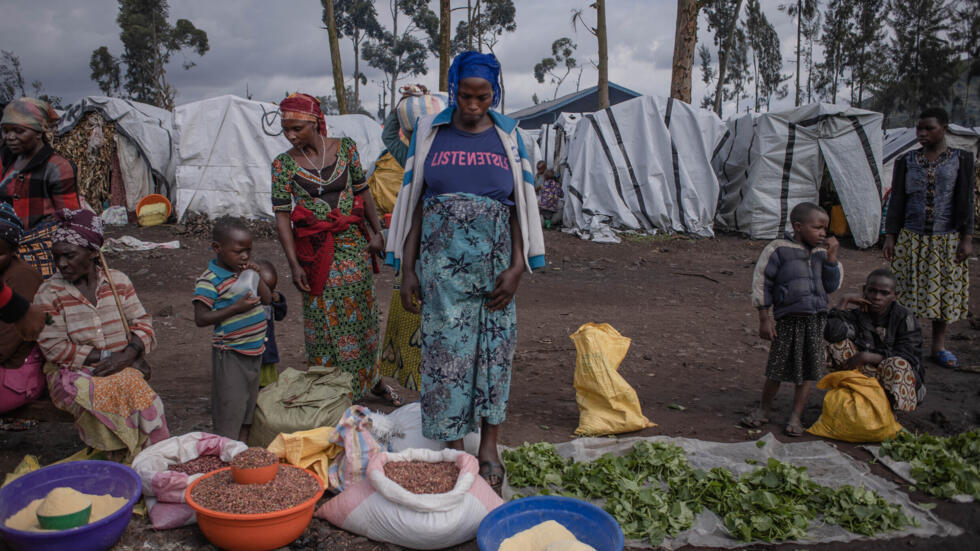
(685, 40)
(336, 68)
(707, 76)
(149, 41)
(358, 21)
(599, 32)
(965, 37)
(865, 47)
(105, 71)
(487, 23)
(401, 52)
(561, 56)
(723, 16)
(767, 60)
(739, 75)
(445, 43)
(837, 27)
(811, 29)
(801, 10)
(921, 50)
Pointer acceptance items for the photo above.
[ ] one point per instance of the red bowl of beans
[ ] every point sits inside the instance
(254, 517)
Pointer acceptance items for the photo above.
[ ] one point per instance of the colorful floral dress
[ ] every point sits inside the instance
(341, 322)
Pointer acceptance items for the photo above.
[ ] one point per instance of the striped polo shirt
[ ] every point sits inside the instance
(243, 333)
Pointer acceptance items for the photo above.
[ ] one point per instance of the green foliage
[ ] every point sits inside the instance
(12, 82)
(767, 59)
(653, 493)
(487, 26)
(941, 466)
(561, 55)
(149, 41)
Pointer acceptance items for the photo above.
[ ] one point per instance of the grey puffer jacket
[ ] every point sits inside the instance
(794, 279)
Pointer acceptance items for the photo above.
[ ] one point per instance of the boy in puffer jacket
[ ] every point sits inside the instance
(793, 276)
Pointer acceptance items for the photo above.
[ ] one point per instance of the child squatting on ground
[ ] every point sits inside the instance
(793, 276)
(274, 312)
(239, 329)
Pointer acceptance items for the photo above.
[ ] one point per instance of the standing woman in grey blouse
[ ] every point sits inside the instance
(930, 230)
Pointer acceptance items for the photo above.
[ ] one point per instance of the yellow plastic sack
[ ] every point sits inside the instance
(385, 182)
(855, 409)
(607, 404)
(308, 449)
(30, 463)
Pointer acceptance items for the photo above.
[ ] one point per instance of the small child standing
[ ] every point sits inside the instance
(550, 198)
(275, 311)
(793, 276)
(239, 329)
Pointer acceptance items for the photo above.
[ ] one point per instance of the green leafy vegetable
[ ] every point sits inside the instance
(941, 466)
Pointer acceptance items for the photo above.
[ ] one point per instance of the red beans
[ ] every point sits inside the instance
(289, 488)
(254, 457)
(202, 464)
(420, 477)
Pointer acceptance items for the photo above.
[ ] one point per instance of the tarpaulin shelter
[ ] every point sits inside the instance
(144, 143)
(226, 149)
(769, 166)
(553, 140)
(642, 165)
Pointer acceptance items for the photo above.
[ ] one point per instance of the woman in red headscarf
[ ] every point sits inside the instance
(330, 232)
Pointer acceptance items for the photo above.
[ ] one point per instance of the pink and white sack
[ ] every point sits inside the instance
(382, 510)
(163, 489)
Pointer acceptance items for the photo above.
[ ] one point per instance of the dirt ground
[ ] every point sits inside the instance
(684, 302)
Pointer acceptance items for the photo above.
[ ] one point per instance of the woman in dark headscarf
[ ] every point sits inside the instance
(929, 230)
(91, 359)
(329, 230)
(21, 380)
(34, 179)
(464, 230)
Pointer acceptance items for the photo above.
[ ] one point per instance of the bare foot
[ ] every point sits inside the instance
(756, 419)
(794, 427)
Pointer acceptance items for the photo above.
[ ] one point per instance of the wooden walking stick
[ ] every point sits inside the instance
(140, 362)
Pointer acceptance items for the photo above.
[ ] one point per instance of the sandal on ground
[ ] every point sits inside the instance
(946, 359)
(754, 420)
(493, 473)
(793, 429)
(389, 395)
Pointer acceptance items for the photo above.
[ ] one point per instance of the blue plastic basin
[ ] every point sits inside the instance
(589, 523)
(90, 477)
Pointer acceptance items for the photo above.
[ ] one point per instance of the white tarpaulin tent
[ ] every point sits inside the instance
(731, 166)
(786, 156)
(553, 140)
(225, 154)
(151, 148)
(901, 140)
(642, 165)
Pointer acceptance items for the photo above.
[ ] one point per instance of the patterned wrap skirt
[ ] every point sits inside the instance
(894, 374)
(401, 351)
(797, 352)
(930, 281)
(341, 323)
(118, 412)
(467, 350)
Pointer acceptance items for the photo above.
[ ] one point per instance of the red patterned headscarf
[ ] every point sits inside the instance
(303, 107)
(33, 113)
(80, 227)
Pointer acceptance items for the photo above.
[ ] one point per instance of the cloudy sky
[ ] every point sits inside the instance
(272, 47)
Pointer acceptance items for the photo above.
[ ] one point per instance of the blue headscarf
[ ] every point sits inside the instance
(474, 64)
(11, 226)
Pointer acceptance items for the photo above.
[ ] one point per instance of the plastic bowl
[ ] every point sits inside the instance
(151, 199)
(90, 477)
(65, 522)
(255, 475)
(590, 524)
(259, 532)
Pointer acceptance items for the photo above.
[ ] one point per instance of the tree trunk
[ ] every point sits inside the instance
(755, 68)
(799, 33)
(445, 29)
(356, 39)
(723, 57)
(394, 42)
(338, 73)
(685, 41)
(469, 24)
(600, 27)
(479, 29)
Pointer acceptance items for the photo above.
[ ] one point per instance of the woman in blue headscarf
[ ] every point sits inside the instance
(464, 230)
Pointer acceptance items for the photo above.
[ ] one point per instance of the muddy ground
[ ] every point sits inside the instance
(684, 302)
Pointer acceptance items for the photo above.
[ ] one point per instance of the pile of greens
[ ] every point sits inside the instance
(942, 467)
(653, 492)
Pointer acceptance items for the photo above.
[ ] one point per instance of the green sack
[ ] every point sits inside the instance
(300, 400)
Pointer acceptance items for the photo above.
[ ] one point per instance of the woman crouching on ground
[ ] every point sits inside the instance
(90, 369)
(465, 228)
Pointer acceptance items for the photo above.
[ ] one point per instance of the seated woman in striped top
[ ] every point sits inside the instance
(90, 354)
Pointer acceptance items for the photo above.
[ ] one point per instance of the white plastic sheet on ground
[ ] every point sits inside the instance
(825, 464)
(225, 155)
(784, 165)
(641, 165)
(904, 470)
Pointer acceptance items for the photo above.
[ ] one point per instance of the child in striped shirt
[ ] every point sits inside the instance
(239, 329)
